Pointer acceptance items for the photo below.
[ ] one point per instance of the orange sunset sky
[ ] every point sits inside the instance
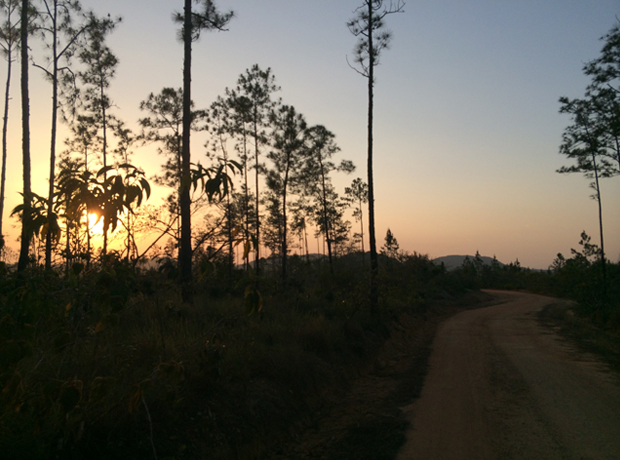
(467, 125)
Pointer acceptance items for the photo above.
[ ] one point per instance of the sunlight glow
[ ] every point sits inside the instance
(96, 228)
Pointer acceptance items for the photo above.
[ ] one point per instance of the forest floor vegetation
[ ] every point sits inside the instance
(108, 362)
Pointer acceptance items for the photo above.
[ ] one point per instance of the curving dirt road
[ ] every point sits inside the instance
(500, 386)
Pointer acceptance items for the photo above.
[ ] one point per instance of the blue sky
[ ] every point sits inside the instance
(467, 124)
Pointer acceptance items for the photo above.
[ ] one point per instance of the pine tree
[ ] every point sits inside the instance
(9, 41)
(368, 27)
(194, 22)
(26, 231)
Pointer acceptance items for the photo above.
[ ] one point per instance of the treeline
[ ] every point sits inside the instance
(263, 186)
(583, 277)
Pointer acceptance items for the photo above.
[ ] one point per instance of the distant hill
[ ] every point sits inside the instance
(452, 262)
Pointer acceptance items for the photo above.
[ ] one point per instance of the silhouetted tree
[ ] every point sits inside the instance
(331, 215)
(604, 95)
(9, 41)
(194, 22)
(80, 144)
(593, 139)
(253, 96)
(109, 193)
(368, 26)
(321, 147)
(100, 64)
(583, 141)
(287, 156)
(391, 247)
(164, 125)
(301, 210)
(73, 209)
(230, 118)
(60, 33)
(220, 129)
(358, 193)
(27, 231)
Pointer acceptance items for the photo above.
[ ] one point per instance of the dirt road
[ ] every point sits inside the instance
(501, 386)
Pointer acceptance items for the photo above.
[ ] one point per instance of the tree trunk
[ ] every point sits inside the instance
(306, 240)
(374, 262)
(68, 255)
(362, 233)
(600, 222)
(325, 218)
(257, 266)
(246, 254)
(185, 249)
(50, 196)
(5, 124)
(104, 154)
(231, 260)
(284, 225)
(26, 233)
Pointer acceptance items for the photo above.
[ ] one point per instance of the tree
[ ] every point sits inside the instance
(583, 141)
(164, 125)
(74, 201)
(367, 26)
(328, 211)
(391, 247)
(208, 18)
(321, 147)
(358, 193)
(109, 193)
(287, 156)
(593, 138)
(100, 65)
(253, 96)
(604, 70)
(9, 41)
(222, 125)
(301, 210)
(27, 231)
(604, 94)
(62, 36)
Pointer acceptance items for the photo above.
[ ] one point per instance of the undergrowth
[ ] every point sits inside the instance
(109, 363)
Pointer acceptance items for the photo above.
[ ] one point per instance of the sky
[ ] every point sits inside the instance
(467, 129)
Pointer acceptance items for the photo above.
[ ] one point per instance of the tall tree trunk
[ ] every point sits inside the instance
(284, 227)
(257, 266)
(246, 254)
(88, 250)
(306, 240)
(374, 262)
(325, 218)
(231, 260)
(362, 233)
(104, 154)
(185, 249)
(26, 233)
(5, 124)
(68, 256)
(50, 196)
(600, 223)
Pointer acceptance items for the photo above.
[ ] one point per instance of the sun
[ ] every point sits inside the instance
(96, 228)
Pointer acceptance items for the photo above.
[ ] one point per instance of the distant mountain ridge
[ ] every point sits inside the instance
(452, 262)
